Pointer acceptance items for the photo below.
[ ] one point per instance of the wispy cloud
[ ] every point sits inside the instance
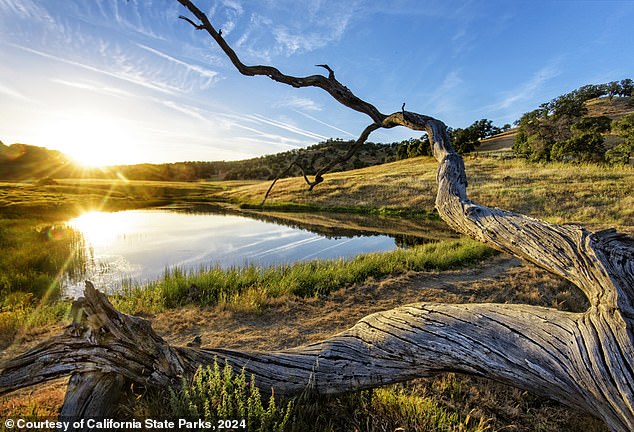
(526, 91)
(127, 74)
(443, 99)
(253, 123)
(308, 25)
(302, 104)
(210, 75)
(185, 109)
(25, 9)
(286, 126)
(325, 124)
(95, 87)
(12, 93)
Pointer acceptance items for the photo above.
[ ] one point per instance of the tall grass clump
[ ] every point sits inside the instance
(20, 314)
(34, 258)
(216, 394)
(210, 287)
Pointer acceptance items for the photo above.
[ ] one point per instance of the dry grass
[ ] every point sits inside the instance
(594, 195)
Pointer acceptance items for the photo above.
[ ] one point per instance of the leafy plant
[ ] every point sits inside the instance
(216, 394)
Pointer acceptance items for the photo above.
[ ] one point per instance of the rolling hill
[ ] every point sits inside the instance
(28, 162)
(614, 108)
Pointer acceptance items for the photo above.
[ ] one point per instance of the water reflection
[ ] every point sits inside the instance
(141, 244)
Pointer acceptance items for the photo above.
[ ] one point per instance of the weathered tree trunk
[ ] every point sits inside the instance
(584, 360)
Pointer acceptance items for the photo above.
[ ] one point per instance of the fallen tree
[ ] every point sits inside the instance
(584, 360)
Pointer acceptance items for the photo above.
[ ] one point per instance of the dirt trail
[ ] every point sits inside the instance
(289, 322)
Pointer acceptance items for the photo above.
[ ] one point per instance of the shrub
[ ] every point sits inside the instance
(216, 394)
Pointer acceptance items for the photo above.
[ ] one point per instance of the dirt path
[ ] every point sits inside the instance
(289, 322)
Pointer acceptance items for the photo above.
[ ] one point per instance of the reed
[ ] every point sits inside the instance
(236, 285)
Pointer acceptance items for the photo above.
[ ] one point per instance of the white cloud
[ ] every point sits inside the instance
(185, 109)
(286, 28)
(25, 9)
(286, 126)
(325, 124)
(526, 91)
(127, 72)
(94, 87)
(303, 104)
(205, 73)
(443, 99)
(12, 93)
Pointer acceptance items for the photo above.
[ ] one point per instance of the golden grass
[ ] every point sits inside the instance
(593, 195)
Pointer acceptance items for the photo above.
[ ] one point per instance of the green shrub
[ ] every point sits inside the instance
(217, 394)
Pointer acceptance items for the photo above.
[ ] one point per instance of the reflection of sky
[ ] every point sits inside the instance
(140, 244)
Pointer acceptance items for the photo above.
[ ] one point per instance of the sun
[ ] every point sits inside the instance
(92, 139)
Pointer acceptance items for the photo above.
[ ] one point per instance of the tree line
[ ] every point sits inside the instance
(464, 140)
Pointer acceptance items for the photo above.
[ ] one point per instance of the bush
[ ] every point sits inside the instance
(216, 394)
(583, 148)
(620, 154)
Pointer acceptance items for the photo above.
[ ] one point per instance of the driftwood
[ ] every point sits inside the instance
(584, 360)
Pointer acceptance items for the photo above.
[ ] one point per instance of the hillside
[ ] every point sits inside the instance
(261, 168)
(614, 108)
(554, 191)
(28, 162)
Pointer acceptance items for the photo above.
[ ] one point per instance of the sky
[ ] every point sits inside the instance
(126, 81)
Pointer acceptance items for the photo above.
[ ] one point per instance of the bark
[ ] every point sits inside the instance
(584, 360)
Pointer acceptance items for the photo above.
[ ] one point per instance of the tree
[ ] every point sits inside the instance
(544, 132)
(413, 147)
(621, 153)
(467, 140)
(627, 87)
(585, 360)
(586, 142)
(581, 148)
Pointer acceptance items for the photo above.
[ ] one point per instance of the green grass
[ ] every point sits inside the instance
(247, 287)
(19, 318)
(249, 284)
(34, 254)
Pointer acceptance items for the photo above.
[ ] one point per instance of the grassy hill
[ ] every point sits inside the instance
(24, 162)
(28, 162)
(561, 193)
(614, 108)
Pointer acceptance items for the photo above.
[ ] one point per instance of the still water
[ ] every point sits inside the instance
(139, 245)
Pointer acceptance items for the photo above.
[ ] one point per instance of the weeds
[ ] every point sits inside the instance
(217, 395)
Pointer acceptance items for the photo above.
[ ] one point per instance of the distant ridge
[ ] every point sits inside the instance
(27, 162)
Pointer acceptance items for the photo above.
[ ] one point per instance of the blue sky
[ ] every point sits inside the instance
(116, 81)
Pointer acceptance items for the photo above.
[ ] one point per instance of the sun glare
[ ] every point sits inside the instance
(101, 229)
(92, 139)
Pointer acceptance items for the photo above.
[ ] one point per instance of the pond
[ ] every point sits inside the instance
(139, 245)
